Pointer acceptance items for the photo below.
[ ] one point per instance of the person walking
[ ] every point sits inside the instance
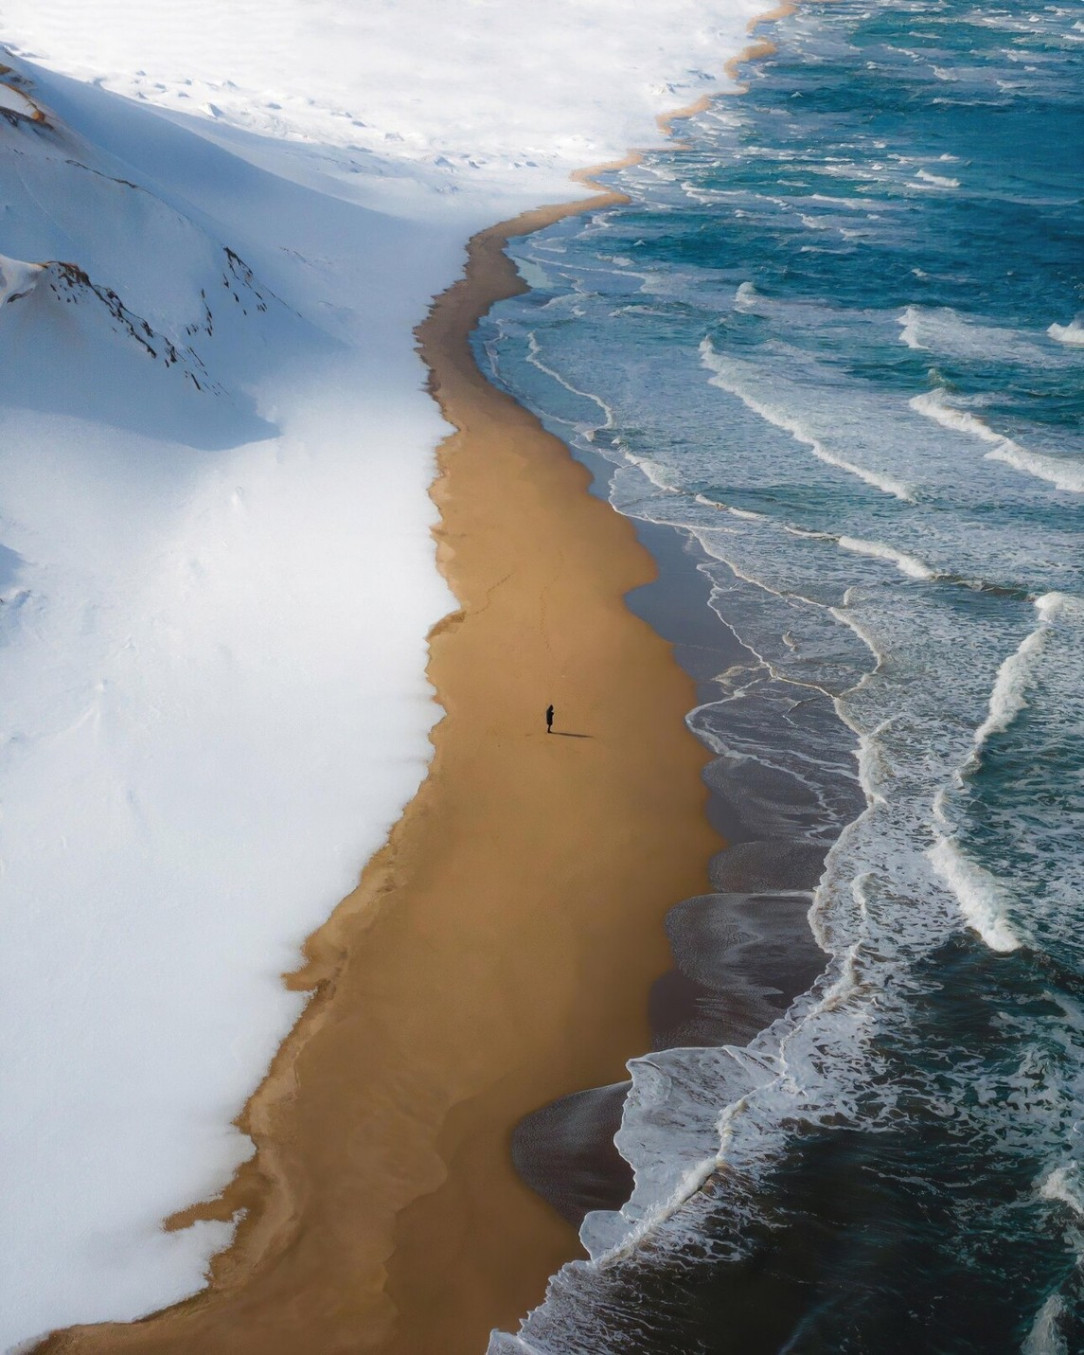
(549, 719)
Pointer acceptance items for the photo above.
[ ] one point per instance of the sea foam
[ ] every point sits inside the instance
(1072, 333)
(907, 564)
(931, 1034)
(1045, 1336)
(983, 901)
(1008, 697)
(727, 377)
(944, 331)
(937, 180)
(1065, 475)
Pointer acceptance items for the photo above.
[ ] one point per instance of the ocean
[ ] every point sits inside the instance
(833, 350)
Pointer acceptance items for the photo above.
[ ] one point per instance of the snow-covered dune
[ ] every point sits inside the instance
(215, 564)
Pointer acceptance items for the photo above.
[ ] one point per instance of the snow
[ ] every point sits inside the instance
(491, 85)
(17, 278)
(13, 101)
(215, 556)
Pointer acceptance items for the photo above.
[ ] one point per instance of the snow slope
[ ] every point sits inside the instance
(217, 581)
(500, 90)
(215, 560)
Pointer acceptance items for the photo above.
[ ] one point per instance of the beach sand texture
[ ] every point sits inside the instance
(498, 951)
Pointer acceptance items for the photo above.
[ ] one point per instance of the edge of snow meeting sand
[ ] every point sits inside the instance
(216, 600)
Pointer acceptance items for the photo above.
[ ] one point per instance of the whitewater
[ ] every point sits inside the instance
(219, 229)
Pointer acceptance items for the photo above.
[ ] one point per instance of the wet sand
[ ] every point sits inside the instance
(498, 952)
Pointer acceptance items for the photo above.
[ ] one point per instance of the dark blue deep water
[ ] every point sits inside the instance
(837, 340)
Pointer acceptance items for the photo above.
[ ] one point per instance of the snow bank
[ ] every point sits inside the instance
(215, 561)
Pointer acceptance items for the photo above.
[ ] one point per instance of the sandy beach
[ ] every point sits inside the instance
(786, 1008)
(499, 950)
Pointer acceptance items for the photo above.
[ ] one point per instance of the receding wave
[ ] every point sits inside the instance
(905, 686)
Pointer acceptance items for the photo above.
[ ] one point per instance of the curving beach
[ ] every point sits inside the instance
(498, 951)
(819, 372)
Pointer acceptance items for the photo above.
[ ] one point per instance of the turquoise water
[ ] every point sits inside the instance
(837, 340)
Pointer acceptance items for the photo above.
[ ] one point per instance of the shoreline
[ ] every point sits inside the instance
(373, 1146)
(461, 987)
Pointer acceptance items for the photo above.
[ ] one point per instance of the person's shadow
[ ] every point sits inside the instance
(564, 734)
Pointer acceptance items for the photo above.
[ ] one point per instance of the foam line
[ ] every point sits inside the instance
(725, 380)
(982, 900)
(1065, 475)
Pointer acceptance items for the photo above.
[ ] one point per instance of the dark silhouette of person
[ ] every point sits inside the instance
(549, 719)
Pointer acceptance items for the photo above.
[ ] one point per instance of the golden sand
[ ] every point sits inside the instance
(498, 950)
